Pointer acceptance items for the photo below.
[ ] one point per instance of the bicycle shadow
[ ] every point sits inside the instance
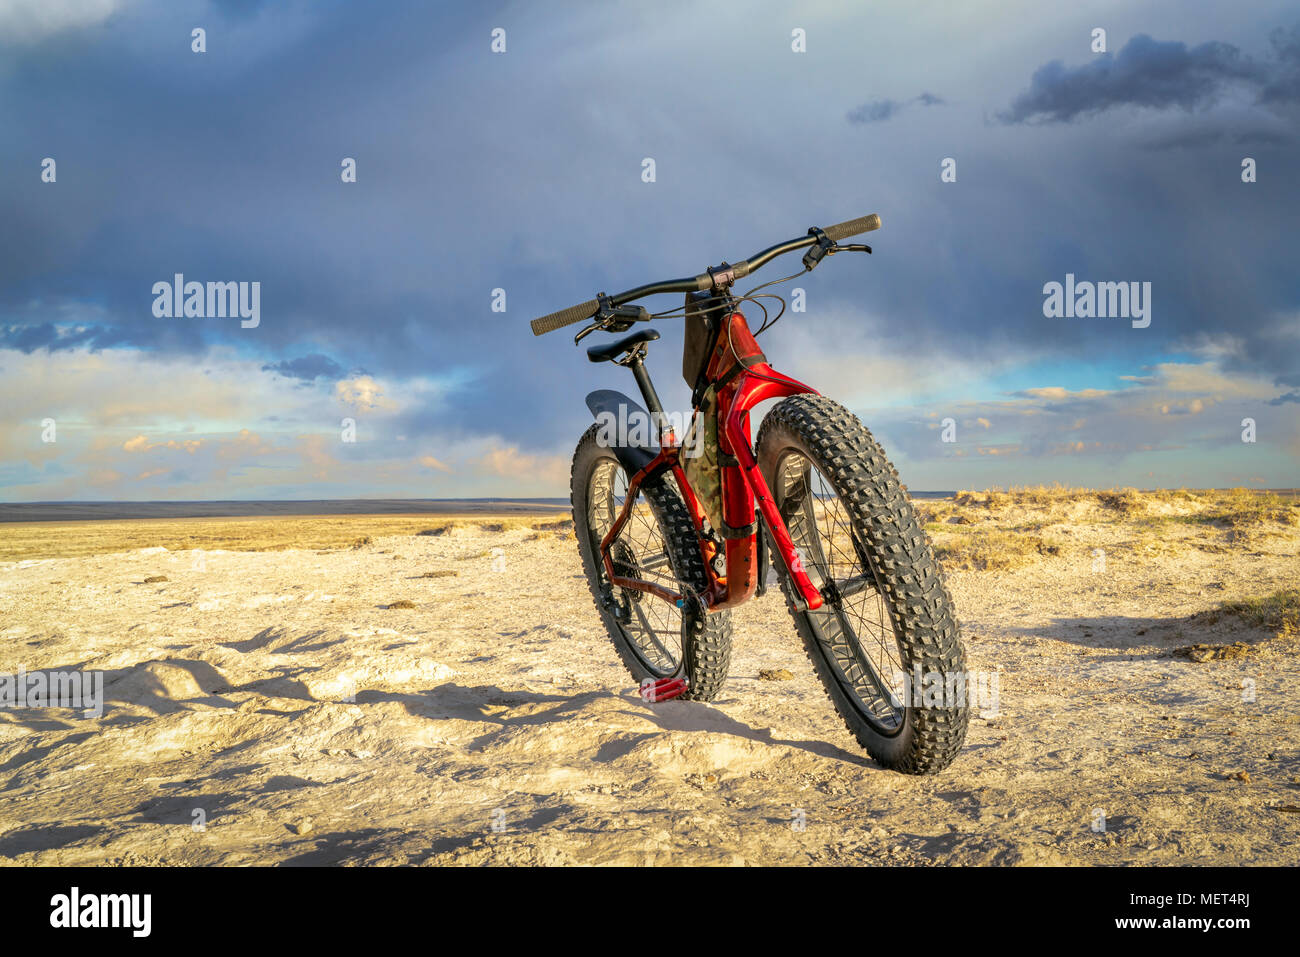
(698, 717)
(486, 703)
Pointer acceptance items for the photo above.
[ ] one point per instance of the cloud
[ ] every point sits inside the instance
(1283, 399)
(509, 462)
(1284, 87)
(306, 368)
(31, 20)
(239, 9)
(1145, 72)
(1254, 130)
(877, 111)
(314, 452)
(142, 444)
(934, 317)
(363, 394)
(247, 444)
(217, 427)
(1182, 420)
(1056, 393)
(50, 336)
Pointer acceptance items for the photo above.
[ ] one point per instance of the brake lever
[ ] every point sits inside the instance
(825, 246)
(612, 318)
(618, 318)
(586, 332)
(820, 249)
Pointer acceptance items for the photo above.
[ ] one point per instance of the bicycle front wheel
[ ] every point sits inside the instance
(887, 616)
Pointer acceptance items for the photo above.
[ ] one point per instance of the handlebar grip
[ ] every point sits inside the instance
(565, 317)
(854, 226)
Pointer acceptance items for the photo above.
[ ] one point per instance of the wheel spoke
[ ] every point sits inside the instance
(652, 626)
(854, 626)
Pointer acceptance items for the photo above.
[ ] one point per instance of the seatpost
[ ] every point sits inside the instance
(637, 365)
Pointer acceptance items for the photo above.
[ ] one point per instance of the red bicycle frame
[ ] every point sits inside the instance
(744, 378)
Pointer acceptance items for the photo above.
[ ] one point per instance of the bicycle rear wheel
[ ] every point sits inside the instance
(658, 544)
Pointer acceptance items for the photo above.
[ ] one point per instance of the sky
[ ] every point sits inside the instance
(1002, 147)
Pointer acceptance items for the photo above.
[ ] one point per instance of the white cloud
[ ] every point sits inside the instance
(363, 393)
(1179, 424)
(136, 425)
(25, 21)
(508, 462)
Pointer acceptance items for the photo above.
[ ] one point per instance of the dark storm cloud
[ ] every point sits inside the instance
(877, 111)
(250, 191)
(478, 172)
(1145, 72)
(43, 335)
(1213, 134)
(49, 336)
(1284, 87)
(306, 368)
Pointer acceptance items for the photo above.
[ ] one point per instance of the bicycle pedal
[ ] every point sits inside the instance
(665, 689)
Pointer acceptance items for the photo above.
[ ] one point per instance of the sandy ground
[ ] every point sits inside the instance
(492, 722)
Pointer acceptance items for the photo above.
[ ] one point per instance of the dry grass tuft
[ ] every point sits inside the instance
(1125, 501)
(1278, 612)
(991, 550)
(1202, 653)
(1243, 507)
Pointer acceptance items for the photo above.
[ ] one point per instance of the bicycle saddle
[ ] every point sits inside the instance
(612, 350)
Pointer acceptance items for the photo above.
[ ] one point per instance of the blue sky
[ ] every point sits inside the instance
(522, 171)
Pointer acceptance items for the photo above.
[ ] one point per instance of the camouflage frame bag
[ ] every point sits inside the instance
(701, 459)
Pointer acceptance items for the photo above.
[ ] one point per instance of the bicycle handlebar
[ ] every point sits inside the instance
(564, 317)
(853, 227)
(705, 280)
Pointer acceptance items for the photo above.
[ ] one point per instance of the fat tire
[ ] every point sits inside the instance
(706, 638)
(926, 628)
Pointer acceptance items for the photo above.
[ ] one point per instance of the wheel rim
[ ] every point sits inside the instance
(651, 626)
(855, 625)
